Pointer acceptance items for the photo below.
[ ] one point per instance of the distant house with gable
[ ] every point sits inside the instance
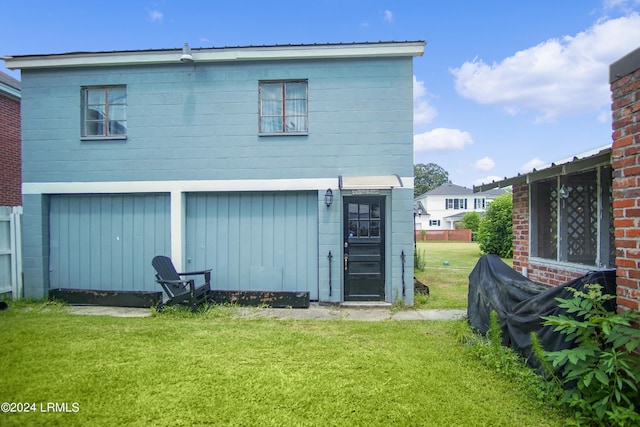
(10, 158)
(444, 206)
(10, 187)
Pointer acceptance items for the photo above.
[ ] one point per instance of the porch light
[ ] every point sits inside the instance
(563, 192)
(328, 197)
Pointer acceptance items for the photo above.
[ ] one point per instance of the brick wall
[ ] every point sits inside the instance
(520, 218)
(10, 163)
(625, 93)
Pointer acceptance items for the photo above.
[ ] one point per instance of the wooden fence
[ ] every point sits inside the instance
(443, 235)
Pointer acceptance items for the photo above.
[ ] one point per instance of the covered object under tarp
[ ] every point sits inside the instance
(520, 302)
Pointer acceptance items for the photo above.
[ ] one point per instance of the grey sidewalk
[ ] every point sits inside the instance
(314, 312)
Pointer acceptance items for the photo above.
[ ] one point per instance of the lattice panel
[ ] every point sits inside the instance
(553, 222)
(582, 222)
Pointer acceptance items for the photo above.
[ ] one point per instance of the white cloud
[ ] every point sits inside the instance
(155, 16)
(559, 77)
(441, 139)
(532, 164)
(388, 16)
(620, 4)
(484, 164)
(487, 180)
(423, 112)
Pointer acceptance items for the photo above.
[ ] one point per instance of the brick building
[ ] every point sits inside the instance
(10, 164)
(583, 213)
(625, 91)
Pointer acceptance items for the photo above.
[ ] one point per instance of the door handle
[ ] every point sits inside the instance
(346, 262)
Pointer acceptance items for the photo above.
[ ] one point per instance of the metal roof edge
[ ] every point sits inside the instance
(224, 54)
(576, 164)
(10, 91)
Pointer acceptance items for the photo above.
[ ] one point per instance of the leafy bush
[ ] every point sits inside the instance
(471, 221)
(600, 372)
(495, 233)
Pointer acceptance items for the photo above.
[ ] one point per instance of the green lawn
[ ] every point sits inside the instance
(448, 265)
(213, 369)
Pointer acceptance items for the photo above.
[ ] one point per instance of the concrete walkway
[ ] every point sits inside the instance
(314, 312)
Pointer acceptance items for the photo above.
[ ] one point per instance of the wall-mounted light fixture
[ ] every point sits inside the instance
(328, 198)
(186, 54)
(563, 192)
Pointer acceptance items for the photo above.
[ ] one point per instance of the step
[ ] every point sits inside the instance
(365, 304)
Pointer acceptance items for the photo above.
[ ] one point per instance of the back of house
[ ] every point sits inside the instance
(282, 168)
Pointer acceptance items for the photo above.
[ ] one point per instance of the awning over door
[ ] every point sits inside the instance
(369, 182)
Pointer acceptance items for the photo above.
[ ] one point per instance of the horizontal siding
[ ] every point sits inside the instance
(254, 241)
(185, 125)
(107, 242)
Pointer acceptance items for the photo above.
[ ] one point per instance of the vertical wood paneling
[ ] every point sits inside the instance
(106, 242)
(245, 232)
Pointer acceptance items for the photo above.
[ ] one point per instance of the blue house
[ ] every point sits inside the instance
(282, 168)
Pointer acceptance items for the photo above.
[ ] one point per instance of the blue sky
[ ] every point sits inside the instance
(502, 86)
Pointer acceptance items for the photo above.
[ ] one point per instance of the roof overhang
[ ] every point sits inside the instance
(581, 162)
(223, 54)
(10, 91)
(369, 182)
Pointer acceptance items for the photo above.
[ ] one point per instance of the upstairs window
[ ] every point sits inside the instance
(104, 111)
(479, 203)
(455, 204)
(283, 107)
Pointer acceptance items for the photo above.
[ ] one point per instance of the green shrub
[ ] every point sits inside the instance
(419, 260)
(495, 232)
(504, 360)
(600, 372)
(471, 221)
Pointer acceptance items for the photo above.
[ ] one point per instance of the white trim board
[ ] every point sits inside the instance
(226, 54)
(115, 187)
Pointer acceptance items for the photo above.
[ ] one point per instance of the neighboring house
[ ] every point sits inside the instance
(282, 168)
(583, 213)
(10, 180)
(10, 187)
(442, 207)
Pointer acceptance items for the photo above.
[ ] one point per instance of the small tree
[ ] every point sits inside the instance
(471, 221)
(495, 232)
(427, 177)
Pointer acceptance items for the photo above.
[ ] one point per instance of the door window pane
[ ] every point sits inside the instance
(363, 229)
(375, 211)
(353, 211)
(375, 229)
(353, 228)
(364, 212)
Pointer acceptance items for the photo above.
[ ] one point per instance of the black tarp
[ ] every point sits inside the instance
(520, 302)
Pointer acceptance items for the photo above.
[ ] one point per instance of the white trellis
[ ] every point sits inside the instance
(10, 251)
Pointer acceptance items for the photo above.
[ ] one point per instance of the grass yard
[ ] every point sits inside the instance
(448, 284)
(212, 369)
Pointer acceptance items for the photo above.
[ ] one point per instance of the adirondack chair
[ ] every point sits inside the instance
(179, 290)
